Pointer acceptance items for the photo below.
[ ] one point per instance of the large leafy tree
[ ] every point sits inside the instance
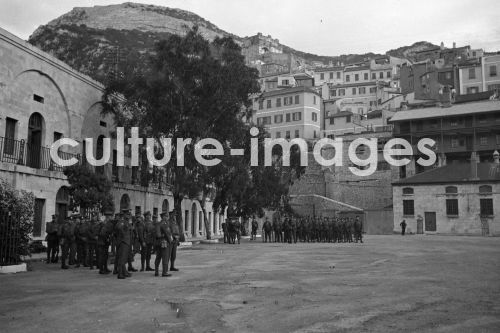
(89, 191)
(189, 88)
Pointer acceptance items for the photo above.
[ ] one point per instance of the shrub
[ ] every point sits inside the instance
(20, 204)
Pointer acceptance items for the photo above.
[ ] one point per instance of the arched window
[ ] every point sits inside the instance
(407, 191)
(485, 189)
(451, 190)
(164, 206)
(62, 203)
(124, 202)
(99, 153)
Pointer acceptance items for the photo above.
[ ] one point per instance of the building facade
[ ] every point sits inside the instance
(42, 100)
(289, 113)
(453, 199)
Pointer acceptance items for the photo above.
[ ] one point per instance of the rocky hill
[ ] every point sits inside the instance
(94, 40)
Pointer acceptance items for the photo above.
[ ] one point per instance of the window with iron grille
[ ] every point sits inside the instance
(278, 102)
(269, 105)
(10, 134)
(297, 99)
(408, 208)
(452, 207)
(331, 75)
(486, 207)
(296, 116)
(366, 76)
(278, 118)
(287, 117)
(356, 77)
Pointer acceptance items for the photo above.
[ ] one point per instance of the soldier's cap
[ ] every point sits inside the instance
(126, 210)
(147, 213)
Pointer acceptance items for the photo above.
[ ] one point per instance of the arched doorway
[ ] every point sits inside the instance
(164, 206)
(194, 215)
(35, 139)
(62, 203)
(124, 202)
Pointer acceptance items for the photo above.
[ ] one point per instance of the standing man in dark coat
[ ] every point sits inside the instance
(140, 232)
(66, 236)
(52, 240)
(133, 235)
(403, 227)
(149, 238)
(163, 245)
(225, 231)
(123, 230)
(255, 226)
(174, 229)
(92, 234)
(104, 241)
(237, 230)
(267, 228)
(81, 230)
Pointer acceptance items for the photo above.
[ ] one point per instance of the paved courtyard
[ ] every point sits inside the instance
(387, 284)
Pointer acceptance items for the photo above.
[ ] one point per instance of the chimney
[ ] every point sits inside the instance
(473, 166)
(496, 157)
(454, 45)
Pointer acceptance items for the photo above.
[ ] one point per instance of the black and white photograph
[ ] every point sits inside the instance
(249, 166)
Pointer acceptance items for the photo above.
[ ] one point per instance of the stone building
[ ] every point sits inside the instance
(42, 100)
(459, 198)
(294, 112)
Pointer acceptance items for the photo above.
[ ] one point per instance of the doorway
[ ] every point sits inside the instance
(430, 221)
(34, 144)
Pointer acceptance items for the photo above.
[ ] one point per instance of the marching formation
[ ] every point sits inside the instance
(86, 242)
(302, 229)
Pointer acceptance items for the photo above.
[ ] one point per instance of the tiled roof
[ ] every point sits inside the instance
(358, 68)
(329, 69)
(455, 173)
(341, 114)
(358, 84)
(454, 110)
(288, 91)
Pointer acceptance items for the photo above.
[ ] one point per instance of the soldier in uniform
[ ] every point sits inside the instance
(103, 241)
(52, 240)
(255, 226)
(92, 234)
(123, 230)
(163, 245)
(267, 228)
(293, 229)
(140, 243)
(174, 229)
(149, 238)
(133, 237)
(81, 230)
(225, 231)
(236, 230)
(67, 237)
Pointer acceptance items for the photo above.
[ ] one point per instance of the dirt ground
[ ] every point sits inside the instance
(388, 284)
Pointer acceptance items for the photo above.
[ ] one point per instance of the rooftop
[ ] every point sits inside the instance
(455, 173)
(287, 91)
(358, 84)
(329, 69)
(357, 68)
(454, 110)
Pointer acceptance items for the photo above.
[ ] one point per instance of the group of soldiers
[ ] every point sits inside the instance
(303, 229)
(86, 241)
(313, 229)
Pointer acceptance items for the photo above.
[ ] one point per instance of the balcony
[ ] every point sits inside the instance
(37, 157)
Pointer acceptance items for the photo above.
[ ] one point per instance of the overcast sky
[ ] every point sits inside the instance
(325, 27)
